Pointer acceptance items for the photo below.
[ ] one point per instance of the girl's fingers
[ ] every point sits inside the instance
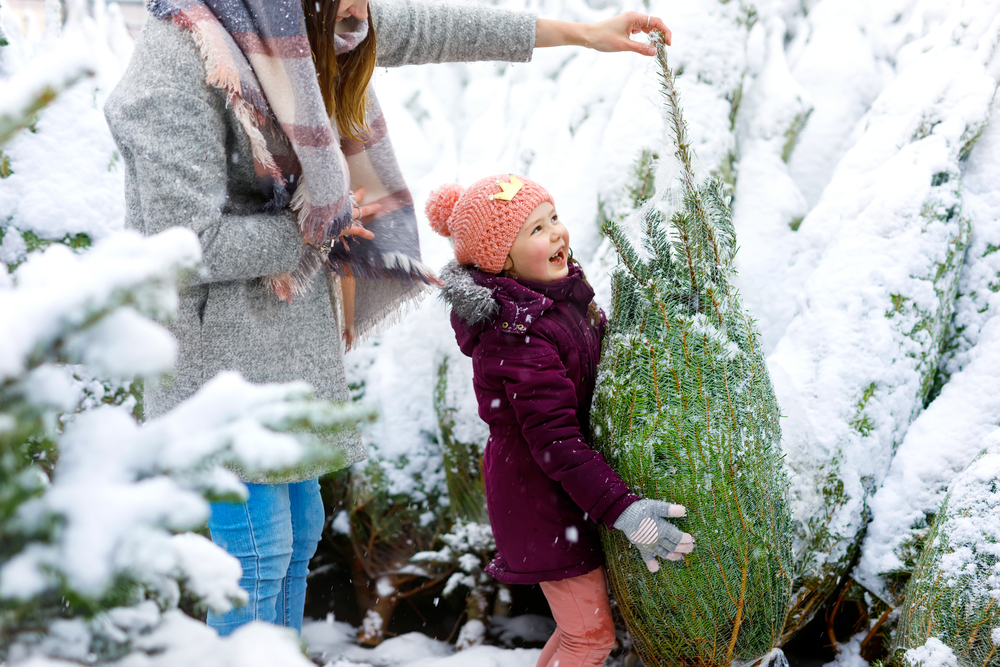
(660, 551)
(676, 511)
(686, 545)
(674, 556)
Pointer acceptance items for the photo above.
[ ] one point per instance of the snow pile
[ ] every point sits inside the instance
(879, 258)
(58, 292)
(767, 202)
(332, 642)
(932, 654)
(173, 639)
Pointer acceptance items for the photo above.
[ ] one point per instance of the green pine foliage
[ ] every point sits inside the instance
(463, 461)
(684, 412)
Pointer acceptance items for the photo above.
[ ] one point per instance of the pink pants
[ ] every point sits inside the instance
(585, 632)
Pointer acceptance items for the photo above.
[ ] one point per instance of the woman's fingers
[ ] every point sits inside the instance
(366, 211)
(614, 34)
(656, 23)
(357, 230)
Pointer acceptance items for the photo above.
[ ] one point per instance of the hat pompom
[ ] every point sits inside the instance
(440, 204)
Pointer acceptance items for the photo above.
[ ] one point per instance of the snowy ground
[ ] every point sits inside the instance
(332, 643)
(832, 118)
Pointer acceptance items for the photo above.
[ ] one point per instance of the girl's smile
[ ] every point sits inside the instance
(541, 247)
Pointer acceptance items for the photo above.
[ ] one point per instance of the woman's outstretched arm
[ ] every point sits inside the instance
(613, 34)
(412, 32)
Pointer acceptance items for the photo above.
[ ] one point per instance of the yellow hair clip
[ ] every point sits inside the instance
(509, 189)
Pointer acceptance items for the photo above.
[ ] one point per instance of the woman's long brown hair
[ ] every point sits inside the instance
(343, 79)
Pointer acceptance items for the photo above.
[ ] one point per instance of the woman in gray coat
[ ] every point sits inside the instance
(252, 122)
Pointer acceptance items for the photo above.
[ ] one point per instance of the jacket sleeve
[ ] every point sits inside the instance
(545, 403)
(413, 32)
(172, 140)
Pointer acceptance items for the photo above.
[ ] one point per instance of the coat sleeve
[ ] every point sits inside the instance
(544, 400)
(172, 140)
(413, 32)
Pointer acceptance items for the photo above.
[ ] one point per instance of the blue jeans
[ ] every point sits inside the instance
(273, 534)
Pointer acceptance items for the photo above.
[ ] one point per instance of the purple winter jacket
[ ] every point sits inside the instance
(534, 358)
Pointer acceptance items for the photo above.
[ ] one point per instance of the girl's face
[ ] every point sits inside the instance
(541, 248)
(356, 8)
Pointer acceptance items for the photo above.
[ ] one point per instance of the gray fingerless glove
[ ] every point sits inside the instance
(643, 522)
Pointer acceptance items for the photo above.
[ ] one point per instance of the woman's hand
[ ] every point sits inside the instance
(610, 35)
(347, 287)
(360, 212)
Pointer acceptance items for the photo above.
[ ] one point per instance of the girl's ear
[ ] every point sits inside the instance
(508, 264)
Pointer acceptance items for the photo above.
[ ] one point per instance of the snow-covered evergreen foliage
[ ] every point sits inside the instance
(951, 600)
(945, 438)
(95, 553)
(96, 557)
(879, 259)
(684, 412)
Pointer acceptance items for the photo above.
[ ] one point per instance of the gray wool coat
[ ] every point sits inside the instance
(188, 162)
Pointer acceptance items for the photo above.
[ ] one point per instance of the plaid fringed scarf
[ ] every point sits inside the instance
(258, 52)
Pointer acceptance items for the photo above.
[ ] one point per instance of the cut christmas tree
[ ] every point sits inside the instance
(684, 412)
(951, 611)
(875, 276)
(949, 433)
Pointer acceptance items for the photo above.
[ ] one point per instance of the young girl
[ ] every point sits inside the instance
(523, 310)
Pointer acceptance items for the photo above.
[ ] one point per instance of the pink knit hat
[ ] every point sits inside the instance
(484, 219)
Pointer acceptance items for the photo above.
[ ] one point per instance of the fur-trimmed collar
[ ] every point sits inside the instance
(473, 303)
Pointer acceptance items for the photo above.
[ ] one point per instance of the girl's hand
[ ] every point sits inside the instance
(685, 546)
(359, 213)
(611, 35)
(644, 524)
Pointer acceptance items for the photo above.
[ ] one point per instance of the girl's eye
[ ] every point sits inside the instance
(537, 229)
